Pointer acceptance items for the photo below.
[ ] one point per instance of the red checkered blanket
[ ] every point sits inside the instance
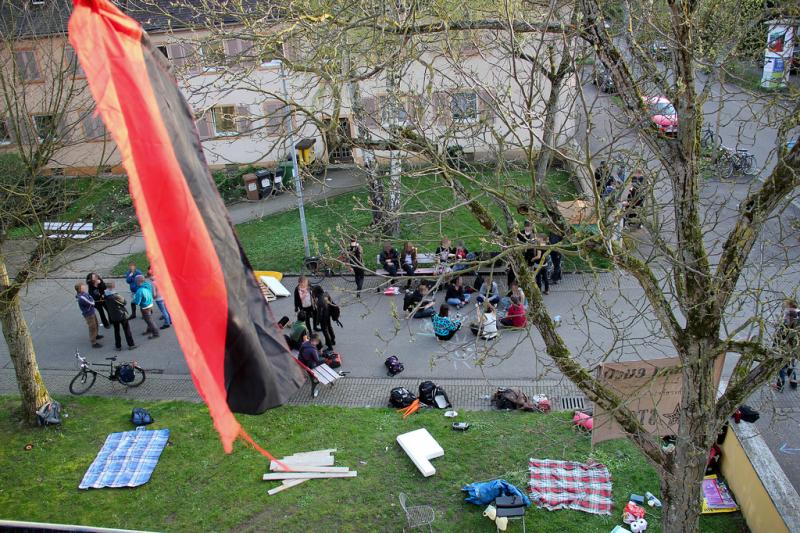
(570, 485)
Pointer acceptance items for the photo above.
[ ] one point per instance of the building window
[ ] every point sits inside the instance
(163, 50)
(213, 54)
(400, 111)
(45, 126)
(5, 133)
(72, 64)
(93, 127)
(464, 106)
(27, 69)
(224, 119)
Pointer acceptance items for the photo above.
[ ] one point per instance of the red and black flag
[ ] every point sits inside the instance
(237, 357)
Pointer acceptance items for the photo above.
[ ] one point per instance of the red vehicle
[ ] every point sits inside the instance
(662, 114)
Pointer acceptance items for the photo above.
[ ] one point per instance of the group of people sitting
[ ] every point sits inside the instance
(511, 308)
(446, 256)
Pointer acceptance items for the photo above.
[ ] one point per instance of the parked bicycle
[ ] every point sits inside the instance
(730, 162)
(129, 374)
(317, 268)
(709, 139)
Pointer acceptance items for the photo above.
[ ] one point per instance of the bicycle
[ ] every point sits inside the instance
(709, 140)
(731, 162)
(133, 374)
(317, 268)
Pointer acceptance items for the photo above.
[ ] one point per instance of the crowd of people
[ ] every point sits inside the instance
(97, 297)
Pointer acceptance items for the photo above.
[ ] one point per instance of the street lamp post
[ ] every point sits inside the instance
(298, 186)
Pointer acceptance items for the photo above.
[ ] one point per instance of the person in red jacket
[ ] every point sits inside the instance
(515, 317)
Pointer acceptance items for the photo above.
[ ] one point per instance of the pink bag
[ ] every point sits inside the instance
(582, 420)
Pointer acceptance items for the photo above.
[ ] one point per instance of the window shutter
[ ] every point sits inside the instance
(72, 63)
(233, 50)
(371, 113)
(441, 107)
(248, 52)
(290, 51)
(243, 119)
(204, 125)
(177, 55)
(486, 105)
(27, 69)
(275, 117)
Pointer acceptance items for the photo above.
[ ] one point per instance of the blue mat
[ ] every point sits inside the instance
(127, 459)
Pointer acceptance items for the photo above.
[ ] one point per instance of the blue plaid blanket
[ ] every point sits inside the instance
(127, 459)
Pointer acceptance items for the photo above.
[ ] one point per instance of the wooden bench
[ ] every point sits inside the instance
(68, 230)
(430, 259)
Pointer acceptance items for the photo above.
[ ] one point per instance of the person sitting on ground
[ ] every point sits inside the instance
(298, 330)
(486, 325)
(455, 294)
(309, 356)
(515, 317)
(420, 302)
(514, 290)
(388, 259)
(444, 327)
(491, 289)
(408, 261)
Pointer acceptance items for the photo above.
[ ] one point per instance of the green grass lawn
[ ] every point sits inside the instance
(275, 242)
(196, 487)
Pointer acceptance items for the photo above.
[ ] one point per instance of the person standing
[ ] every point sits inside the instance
(118, 316)
(302, 300)
(356, 257)
(144, 299)
(162, 307)
(130, 278)
(388, 259)
(540, 266)
(321, 301)
(97, 290)
(555, 255)
(86, 306)
(601, 176)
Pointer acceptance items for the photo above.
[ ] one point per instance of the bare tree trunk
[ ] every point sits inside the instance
(681, 489)
(376, 193)
(20, 348)
(393, 207)
(548, 131)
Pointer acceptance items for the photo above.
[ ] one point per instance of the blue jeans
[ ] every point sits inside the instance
(164, 312)
(425, 313)
(456, 301)
(493, 300)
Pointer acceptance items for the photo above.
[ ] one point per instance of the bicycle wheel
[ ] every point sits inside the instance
(748, 162)
(82, 382)
(138, 377)
(313, 270)
(725, 166)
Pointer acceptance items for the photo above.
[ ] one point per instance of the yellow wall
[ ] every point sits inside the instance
(757, 506)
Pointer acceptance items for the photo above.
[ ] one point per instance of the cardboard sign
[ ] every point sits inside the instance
(655, 400)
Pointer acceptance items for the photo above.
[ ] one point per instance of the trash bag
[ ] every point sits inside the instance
(485, 493)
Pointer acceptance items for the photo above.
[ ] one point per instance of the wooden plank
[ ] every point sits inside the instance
(307, 475)
(315, 452)
(307, 468)
(289, 483)
(310, 460)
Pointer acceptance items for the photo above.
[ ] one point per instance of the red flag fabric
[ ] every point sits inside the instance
(238, 360)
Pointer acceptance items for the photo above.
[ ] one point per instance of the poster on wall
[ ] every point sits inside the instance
(778, 54)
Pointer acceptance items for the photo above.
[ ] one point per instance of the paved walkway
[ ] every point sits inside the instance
(466, 394)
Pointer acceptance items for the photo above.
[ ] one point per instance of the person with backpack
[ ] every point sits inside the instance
(322, 302)
(118, 316)
(444, 327)
(130, 278)
(86, 306)
(144, 299)
(97, 288)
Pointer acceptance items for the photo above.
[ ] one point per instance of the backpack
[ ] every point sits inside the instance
(393, 365)
(401, 397)
(427, 390)
(125, 373)
(49, 414)
(509, 398)
(331, 358)
(141, 417)
(748, 413)
(334, 311)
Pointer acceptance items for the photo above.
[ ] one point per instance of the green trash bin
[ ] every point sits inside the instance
(288, 172)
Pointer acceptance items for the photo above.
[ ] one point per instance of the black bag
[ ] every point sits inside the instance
(748, 413)
(141, 417)
(125, 373)
(331, 358)
(427, 390)
(334, 311)
(49, 414)
(512, 398)
(401, 397)
(393, 365)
